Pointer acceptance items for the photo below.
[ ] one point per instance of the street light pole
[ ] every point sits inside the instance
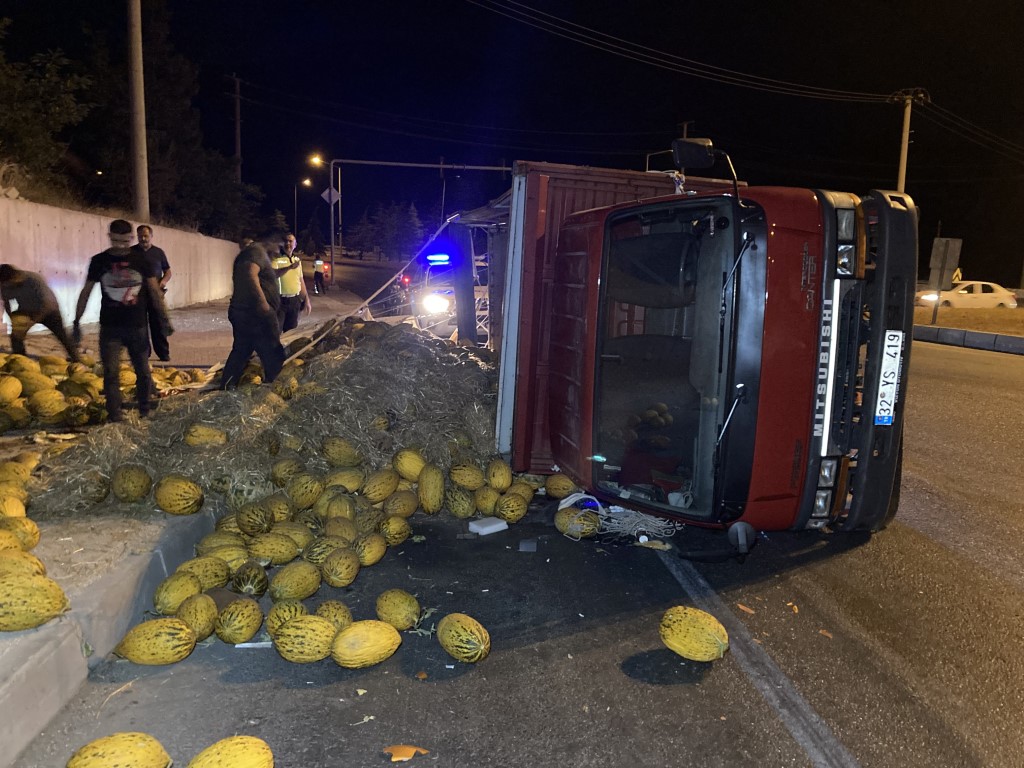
(341, 245)
(295, 204)
(331, 177)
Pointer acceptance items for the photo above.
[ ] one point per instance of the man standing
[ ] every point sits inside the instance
(292, 287)
(36, 304)
(128, 293)
(253, 312)
(319, 269)
(162, 272)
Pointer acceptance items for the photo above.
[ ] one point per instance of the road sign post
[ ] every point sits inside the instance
(945, 260)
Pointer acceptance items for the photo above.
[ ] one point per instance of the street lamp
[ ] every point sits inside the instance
(332, 195)
(295, 202)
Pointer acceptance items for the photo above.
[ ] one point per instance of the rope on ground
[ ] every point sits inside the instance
(619, 521)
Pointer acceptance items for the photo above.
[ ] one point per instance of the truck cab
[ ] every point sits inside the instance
(730, 355)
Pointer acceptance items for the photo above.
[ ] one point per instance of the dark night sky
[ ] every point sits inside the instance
(413, 81)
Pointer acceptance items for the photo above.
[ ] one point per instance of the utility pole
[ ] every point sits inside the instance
(137, 92)
(908, 96)
(238, 128)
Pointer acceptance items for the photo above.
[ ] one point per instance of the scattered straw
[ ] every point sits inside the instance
(383, 387)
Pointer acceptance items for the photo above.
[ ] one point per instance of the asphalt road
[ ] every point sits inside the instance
(903, 649)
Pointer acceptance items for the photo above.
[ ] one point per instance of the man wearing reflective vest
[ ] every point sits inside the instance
(294, 298)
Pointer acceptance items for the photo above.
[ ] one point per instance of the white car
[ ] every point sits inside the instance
(968, 294)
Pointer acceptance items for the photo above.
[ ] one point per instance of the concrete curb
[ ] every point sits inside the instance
(48, 665)
(958, 337)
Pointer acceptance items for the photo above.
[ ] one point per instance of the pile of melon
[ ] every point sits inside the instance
(314, 531)
(28, 598)
(49, 392)
(312, 478)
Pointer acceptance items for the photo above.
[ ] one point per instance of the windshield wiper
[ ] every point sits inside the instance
(748, 242)
(741, 397)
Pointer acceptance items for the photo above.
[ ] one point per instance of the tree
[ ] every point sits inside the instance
(361, 236)
(189, 185)
(40, 100)
(411, 231)
(394, 228)
(312, 236)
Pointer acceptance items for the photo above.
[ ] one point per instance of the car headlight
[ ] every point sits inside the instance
(435, 304)
(929, 297)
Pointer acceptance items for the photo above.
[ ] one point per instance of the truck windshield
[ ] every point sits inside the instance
(659, 394)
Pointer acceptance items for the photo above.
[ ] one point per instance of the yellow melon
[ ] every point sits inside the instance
(365, 643)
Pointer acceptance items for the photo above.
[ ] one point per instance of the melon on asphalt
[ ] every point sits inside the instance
(157, 642)
(365, 643)
(235, 752)
(463, 637)
(138, 750)
(693, 634)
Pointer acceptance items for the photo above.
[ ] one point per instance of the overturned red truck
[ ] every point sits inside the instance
(702, 350)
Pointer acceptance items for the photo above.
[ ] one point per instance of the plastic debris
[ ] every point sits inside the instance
(487, 525)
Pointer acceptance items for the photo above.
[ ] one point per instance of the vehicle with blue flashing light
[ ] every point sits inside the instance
(425, 291)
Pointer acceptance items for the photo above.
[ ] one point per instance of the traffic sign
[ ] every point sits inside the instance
(945, 261)
(945, 249)
(330, 195)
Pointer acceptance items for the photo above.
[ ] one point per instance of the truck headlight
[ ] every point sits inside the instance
(846, 224)
(846, 261)
(827, 473)
(822, 503)
(435, 304)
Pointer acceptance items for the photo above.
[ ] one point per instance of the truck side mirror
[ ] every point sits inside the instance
(693, 153)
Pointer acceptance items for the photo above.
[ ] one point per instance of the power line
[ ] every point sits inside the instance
(967, 129)
(616, 46)
(644, 54)
(442, 123)
(445, 139)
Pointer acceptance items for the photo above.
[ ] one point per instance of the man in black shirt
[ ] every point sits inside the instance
(128, 291)
(255, 301)
(162, 272)
(36, 304)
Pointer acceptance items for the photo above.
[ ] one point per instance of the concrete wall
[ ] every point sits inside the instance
(58, 244)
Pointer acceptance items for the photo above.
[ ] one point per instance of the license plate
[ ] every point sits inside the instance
(889, 378)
